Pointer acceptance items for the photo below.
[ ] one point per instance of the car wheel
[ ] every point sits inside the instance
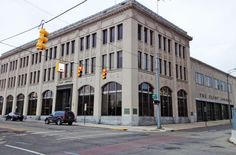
(59, 122)
(46, 121)
(21, 119)
(69, 123)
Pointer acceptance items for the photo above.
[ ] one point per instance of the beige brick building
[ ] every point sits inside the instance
(125, 39)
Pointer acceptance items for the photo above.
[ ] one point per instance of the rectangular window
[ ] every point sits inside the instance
(169, 45)
(120, 32)
(40, 56)
(177, 73)
(159, 39)
(145, 61)
(140, 32)
(180, 50)
(32, 61)
(16, 64)
(164, 42)
(34, 77)
(81, 63)
(104, 61)
(111, 61)
(94, 40)
(18, 83)
(208, 81)
(66, 70)
(183, 52)
(45, 74)
(31, 77)
(62, 49)
(72, 46)
(119, 59)
(55, 52)
(93, 65)
(82, 44)
(49, 74)
(160, 65)
(25, 79)
(185, 77)
(86, 66)
(38, 76)
(88, 42)
(176, 49)
(67, 48)
(71, 69)
(50, 54)
(36, 58)
(165, 67)
(170, 69)
(104, 36)
(22, 79)
(151, 37)
(199, 78)
(139, 60)
(24, 61)
(145, 35)
(180, 70)
(112, 34)
(46, 55)
(152, 63)
(53, 73)
(20, 65)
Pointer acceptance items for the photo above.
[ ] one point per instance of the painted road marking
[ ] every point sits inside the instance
(71, 153)
(46, 132)
(23, 149)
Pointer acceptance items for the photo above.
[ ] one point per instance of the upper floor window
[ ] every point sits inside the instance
(72, 46)
(151, 37)
(67, 48)
(145, 35)
(104, 61)
(159, 39)
(164, 42)
(139, 32)
(112, 34)
(55, 52)
(139, 60)
(88, 42)
(169, 45)
(62, 49)
(119, 59)
(94, 40)
(82, 44)
(199, 78)
(104, 36)
(120, 32)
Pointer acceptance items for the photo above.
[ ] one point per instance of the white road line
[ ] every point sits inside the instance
(90, 136)
(45, 132)
(19, 148)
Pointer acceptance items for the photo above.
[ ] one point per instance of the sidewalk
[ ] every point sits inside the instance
(165, 127)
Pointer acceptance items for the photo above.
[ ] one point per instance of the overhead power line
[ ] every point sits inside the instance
(45, 22)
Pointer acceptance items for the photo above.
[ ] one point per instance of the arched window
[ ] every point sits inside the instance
(166, 102)
(86, 98)
(182, 103)
(111, 99)
(47, 102)
(20, 103)
(32, 104)
(1, 104)
(9, 104)
(145, 100)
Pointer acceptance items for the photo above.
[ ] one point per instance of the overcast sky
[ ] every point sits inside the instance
(211, 23)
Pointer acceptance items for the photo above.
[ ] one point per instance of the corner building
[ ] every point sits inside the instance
(125, 39)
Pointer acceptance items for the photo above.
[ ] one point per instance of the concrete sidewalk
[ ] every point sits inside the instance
(165, 127)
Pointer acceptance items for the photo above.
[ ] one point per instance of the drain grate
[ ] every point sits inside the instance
(172, 148)
(216, 146)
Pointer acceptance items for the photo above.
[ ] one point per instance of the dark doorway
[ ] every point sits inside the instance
(64, 96)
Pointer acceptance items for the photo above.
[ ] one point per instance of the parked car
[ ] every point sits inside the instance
(14, 116)
(60, 117)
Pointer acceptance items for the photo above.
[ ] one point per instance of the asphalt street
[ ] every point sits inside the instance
(29, 138)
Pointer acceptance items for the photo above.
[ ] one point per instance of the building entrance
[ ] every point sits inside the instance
(63, 99)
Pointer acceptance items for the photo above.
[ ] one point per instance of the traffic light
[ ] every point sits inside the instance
(42, 39)
(104, 73)
(79, 71)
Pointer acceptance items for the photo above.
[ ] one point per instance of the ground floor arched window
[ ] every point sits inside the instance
(86, 100)
(112, 99)
(20, 103)
(9, 104)
(166, 102)
(32, 104)
(182, 103)
(1, 104)
(146, 107)
(47, 103)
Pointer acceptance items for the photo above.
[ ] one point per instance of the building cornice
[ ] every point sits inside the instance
(121, 7)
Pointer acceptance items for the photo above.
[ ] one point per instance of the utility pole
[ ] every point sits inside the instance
(158, 114)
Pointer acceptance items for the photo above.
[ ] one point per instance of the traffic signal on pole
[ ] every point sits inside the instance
(41, 44)
(79, 71)
(104, 73)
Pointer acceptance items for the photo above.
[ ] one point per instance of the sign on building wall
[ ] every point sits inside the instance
(60, 67)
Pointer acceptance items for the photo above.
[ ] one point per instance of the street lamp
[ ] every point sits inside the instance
(227, 75)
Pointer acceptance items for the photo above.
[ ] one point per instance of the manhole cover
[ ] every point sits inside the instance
(172, 148)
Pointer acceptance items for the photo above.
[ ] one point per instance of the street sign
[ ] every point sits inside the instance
(154, 96)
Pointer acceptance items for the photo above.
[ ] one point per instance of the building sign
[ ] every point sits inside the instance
(212, 97)
(60, 67)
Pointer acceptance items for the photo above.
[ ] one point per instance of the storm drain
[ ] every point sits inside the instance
(172, 148)
(216, 146)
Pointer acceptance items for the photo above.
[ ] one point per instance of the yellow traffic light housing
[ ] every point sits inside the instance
(104, 73)
(79, 71)
(41, 44)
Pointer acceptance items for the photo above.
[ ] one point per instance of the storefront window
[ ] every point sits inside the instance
(32, 104)
(86, 98)
(146, 107)
(166, 102)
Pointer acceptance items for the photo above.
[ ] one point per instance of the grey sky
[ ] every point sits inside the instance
(211, 23)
